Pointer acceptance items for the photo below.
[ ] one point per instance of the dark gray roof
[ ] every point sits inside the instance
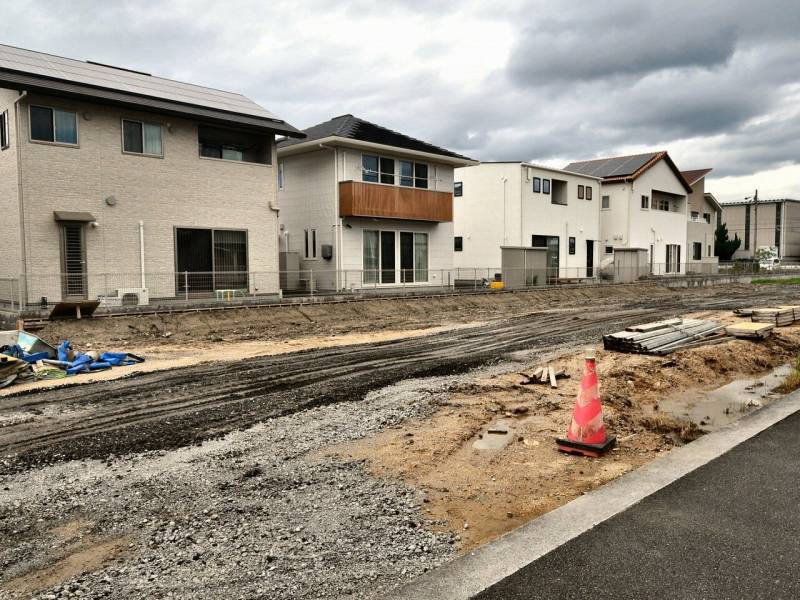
(618, 166)
(26, 69)
(625, 168)
(350, 127)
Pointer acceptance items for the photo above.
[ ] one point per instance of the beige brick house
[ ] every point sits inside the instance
(115, 180)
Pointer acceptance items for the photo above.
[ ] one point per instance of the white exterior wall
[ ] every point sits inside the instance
(309, 200)
(486, 221)
(10, 227)
(480, 218)
(628, 225)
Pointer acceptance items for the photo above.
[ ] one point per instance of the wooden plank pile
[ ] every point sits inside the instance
(664, 337)
(781, 316)
(545, 375)
(750, 330)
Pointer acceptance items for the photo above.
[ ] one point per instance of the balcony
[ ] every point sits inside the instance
(358, 199)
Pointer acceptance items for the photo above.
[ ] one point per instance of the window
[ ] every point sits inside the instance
(4, 130)
(605, 202)
(141, 138)
(280, 175)
(707, 218)
(697, 250)
(572, 245)
(747, 227)
(369, 168)
(709, 250)
(588, 192)
(458, 189)
(235, 145)
(645, 203)
(695, 216)
(663, 204)
(413, 174)
(778, 211)
(537, 185)
(53, 125)
(609, 250)
(580, 192)
(211, 259)
(545, 186)
(311, 243)
(458, 244)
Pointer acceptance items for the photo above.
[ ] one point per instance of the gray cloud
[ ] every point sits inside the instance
(715, 82)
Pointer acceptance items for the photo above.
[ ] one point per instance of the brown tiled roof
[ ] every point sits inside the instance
(695, 175)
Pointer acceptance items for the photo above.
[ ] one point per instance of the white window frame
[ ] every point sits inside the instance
(142, 123)
(588, 192)
(281, 175)
(399, 269)
(310, 244)
(414, 177)
(53, 110)
(605, 202)
(644, 202)
(605, 249)
(664, 202)
(458, 189)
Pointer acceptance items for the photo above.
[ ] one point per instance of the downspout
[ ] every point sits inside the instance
(141, 254)
(274, 208)
(23, 256)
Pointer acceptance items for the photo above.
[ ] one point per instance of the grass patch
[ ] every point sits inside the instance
(786, 281)
(792, 381)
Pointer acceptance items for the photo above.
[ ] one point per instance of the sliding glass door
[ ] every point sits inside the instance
(379, 251)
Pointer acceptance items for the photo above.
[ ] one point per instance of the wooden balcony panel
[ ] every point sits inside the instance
(359, 199)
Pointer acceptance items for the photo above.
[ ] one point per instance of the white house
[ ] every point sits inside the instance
(505, 204)
(643, 205)
(362, 205)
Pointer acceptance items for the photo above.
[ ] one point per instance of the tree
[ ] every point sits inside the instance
(724, 247)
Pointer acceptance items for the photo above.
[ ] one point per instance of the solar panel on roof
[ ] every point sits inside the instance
(75, 71)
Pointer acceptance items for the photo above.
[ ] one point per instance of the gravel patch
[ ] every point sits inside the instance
(256, 514)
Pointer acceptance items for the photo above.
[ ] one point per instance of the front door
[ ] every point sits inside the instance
(73, 257)
(552, 243)
(589, 258)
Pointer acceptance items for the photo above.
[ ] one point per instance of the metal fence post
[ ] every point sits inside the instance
(186, 286)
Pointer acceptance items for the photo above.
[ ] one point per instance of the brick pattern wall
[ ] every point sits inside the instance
(179, 190)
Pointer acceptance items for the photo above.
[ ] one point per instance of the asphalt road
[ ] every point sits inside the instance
(729, 530)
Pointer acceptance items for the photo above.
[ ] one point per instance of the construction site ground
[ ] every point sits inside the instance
(330, 451)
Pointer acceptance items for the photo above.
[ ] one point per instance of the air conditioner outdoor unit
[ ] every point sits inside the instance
(134, 296)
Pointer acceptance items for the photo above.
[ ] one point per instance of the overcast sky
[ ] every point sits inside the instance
(716, 83)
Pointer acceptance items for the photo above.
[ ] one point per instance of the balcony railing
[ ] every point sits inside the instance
(359, 199)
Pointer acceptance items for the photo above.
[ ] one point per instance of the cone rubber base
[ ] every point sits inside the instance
(591, 450)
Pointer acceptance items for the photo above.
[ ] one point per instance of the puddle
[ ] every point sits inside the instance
(496, 436)
(720, 407)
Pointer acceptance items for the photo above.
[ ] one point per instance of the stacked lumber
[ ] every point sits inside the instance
(750, 330)
(664, 337)
(781, 316)
(546, 374)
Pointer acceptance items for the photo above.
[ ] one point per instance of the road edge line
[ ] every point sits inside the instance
(472, 573)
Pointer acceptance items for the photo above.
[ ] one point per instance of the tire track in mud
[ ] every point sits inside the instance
(170, 409)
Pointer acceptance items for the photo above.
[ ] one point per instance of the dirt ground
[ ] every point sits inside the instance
(484, 493)
(196, 329)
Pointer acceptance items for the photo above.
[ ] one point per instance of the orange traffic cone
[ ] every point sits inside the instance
(587, 433)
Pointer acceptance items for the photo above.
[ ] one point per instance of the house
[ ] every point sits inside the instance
(704, 211)
(113, 180)
(365, 206)
(643, 207)
(518, 204)
(770, 223)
